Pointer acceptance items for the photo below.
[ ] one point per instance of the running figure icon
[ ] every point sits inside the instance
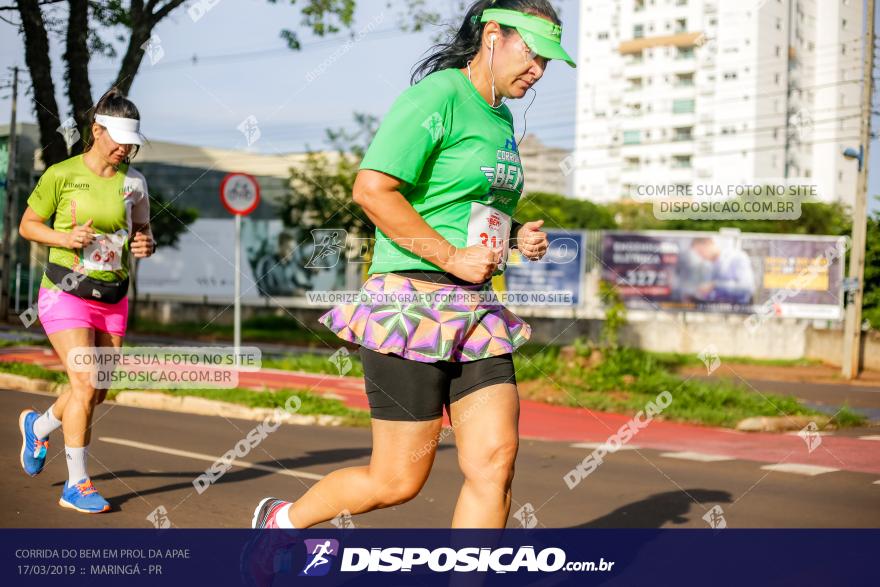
(319, 558)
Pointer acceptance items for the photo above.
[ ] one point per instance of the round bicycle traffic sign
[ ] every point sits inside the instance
(240, 193)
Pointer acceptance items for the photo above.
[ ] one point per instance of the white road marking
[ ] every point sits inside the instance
(818, 432)
(595, 445)
(695, 456)
(877, 482)
(209, 458)
(871, 437)
(799, 469)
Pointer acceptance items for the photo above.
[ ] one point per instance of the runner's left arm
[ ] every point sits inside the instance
(142, 244)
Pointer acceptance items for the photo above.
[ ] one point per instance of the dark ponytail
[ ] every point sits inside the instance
(464, 44)
(114, 103)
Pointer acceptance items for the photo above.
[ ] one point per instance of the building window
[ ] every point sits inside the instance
(684, 80)
(602, 36)
(680, 25)
(634, 83)
(639, 5)
(683, 133)
(684, 53)
(681, 161)
(730, 75)
(632, 137)
(682, 106)
(681, 2)
(638, 31)
(631, 164)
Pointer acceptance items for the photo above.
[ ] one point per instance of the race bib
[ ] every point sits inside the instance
(489, 227)
(105, 252)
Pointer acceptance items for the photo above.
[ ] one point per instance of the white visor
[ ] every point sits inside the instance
(125, 131)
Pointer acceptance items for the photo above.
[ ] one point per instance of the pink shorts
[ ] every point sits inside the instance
(59, 310)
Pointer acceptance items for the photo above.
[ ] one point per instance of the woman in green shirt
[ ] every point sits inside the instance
(100, 212)
(441, 180)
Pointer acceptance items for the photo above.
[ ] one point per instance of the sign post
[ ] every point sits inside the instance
(240, 195)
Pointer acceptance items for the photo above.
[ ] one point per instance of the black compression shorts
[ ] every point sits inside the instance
(403, 389)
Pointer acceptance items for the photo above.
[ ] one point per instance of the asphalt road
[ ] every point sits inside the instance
(143, 459)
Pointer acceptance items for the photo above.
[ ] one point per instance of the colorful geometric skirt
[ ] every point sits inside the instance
(427, 322)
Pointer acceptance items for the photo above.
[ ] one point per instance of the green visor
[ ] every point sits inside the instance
(542, 36)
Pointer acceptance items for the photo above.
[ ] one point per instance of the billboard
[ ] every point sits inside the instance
(797, 276)
(563, 268)
(275, 262)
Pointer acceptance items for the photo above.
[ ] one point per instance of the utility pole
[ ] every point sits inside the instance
(6, 261)
(852, 333)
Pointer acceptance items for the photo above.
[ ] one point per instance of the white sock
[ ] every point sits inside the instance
(282, 517)
(46, 424)
(76, 464)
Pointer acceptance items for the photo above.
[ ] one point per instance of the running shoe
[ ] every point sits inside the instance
(267, 555)
(264, 515)
(33, 450)
(83, 497)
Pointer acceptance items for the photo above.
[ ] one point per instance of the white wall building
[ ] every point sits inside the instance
(722, 92)
(541, 165)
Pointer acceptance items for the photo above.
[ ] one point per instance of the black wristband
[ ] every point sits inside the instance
(514, 229)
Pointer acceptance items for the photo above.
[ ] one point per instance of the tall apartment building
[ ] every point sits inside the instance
(720, 92)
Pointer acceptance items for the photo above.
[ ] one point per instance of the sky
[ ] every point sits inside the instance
(231, 63)
(223, 68)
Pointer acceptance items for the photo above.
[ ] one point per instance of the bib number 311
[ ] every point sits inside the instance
(489, 227)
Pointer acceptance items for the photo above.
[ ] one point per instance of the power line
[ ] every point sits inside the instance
(696, 139)
(588, 166)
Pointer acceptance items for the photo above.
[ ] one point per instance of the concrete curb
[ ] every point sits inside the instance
(783, 423)
(209, 407)
(22, 383)
(179, 404)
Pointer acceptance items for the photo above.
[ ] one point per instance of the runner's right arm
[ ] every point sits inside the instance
(33, 228)
(379, 195)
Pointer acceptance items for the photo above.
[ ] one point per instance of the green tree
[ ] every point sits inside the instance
(816, 218)
(561, 212)
(320, 190)
(871, 297)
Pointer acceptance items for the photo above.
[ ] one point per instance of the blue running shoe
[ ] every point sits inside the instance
(33, 450)
(83, 497)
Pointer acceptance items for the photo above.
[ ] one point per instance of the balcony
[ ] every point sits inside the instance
(684, 80)
(683, 134)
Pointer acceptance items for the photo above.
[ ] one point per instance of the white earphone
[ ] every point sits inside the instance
(492, 38)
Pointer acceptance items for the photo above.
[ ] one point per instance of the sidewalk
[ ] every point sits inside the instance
(564, 424)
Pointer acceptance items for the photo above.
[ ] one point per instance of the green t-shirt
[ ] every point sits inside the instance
(459, 162)
(73, 193)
